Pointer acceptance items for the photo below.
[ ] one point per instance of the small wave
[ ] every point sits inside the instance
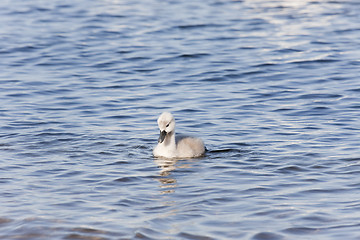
(194, 55)
(108, 15)
(184, 235)
(213, 79)
(226, 150)
(291, 169)
(196, 26)
(120, 162)
(303, 62)
(127, 179)
(267, 236)
(288, 50)
(301, 230)
(120, 117)
(319, 96)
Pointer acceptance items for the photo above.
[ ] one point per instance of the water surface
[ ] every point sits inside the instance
(271, 87)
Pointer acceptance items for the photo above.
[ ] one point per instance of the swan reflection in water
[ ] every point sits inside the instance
(168, 183)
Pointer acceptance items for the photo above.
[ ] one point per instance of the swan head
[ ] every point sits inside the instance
(166, 124)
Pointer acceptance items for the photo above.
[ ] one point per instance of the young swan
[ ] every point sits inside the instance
(180, 147)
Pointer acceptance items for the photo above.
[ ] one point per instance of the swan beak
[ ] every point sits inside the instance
(162, 136)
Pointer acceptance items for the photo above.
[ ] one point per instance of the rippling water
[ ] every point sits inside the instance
(272, 87)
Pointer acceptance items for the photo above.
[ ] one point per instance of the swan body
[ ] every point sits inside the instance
(171, 146)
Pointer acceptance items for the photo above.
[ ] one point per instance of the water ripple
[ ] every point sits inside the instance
(270, 86)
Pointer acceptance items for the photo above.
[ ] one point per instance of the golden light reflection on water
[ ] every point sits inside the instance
(169, 183)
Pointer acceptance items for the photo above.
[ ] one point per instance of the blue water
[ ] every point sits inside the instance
(272, 87)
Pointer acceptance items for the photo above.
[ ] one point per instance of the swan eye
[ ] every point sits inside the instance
(168, 125)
